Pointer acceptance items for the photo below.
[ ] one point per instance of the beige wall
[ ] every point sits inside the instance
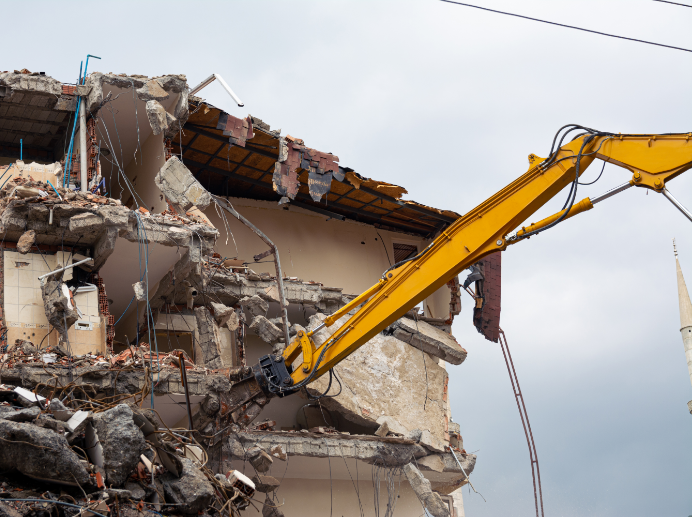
(141, 174)
(318, 497)
(38, 171)
(336, 253)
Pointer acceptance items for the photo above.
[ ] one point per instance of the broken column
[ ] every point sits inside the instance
(430, 500)
(209, 338)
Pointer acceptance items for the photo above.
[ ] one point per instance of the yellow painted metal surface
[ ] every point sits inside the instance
(652, 159)
(582, 206)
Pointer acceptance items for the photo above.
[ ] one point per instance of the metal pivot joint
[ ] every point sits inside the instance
(273, 377)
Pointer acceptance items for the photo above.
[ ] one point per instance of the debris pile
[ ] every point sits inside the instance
(58, 459)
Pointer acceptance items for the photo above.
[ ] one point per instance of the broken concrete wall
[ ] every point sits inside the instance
(209, 338)
(389, 378)
(165, 98)
(172, 88)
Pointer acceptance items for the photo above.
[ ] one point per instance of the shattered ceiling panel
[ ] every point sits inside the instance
(242, 157)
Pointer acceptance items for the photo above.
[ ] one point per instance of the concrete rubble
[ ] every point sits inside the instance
(106, 454)
(179, 185)
(120, 441)
(58, 306)
(429, 339)
(39, 453)
(192, 492)
(26, 241)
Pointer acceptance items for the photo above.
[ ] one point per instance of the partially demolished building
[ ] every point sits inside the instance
(137, 288)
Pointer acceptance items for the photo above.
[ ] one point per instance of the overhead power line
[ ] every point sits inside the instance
(567, 26)
(674, 3)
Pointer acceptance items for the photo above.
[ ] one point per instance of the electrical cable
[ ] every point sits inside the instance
(573, 191)
(567, 26)
(674, 3)
(53, 501)
(599, 176)
(385, 248)
(332, 374)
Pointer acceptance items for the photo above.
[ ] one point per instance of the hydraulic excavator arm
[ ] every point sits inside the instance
(653, 160)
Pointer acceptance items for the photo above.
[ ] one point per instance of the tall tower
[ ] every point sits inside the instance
(685, 316)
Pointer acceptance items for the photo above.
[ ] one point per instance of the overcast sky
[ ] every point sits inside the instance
(448, 101)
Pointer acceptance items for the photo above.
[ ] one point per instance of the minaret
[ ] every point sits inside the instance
(685, 315)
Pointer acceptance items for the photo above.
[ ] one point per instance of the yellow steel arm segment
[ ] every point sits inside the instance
(652, 159)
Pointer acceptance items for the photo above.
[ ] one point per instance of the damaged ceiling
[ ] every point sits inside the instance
(35, 111)
(244, 158)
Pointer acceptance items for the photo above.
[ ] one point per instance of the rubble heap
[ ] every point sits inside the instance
(114, 458)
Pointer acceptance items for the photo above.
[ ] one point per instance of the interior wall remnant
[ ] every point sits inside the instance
(39, 172)
(149, 158)
(436, 306)
(351, 255)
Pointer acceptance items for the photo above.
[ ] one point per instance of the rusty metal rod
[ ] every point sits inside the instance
(523, 414)
(183, 379)
(223, 203)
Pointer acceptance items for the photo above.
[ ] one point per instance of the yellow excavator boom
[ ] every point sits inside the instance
(652, 160)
